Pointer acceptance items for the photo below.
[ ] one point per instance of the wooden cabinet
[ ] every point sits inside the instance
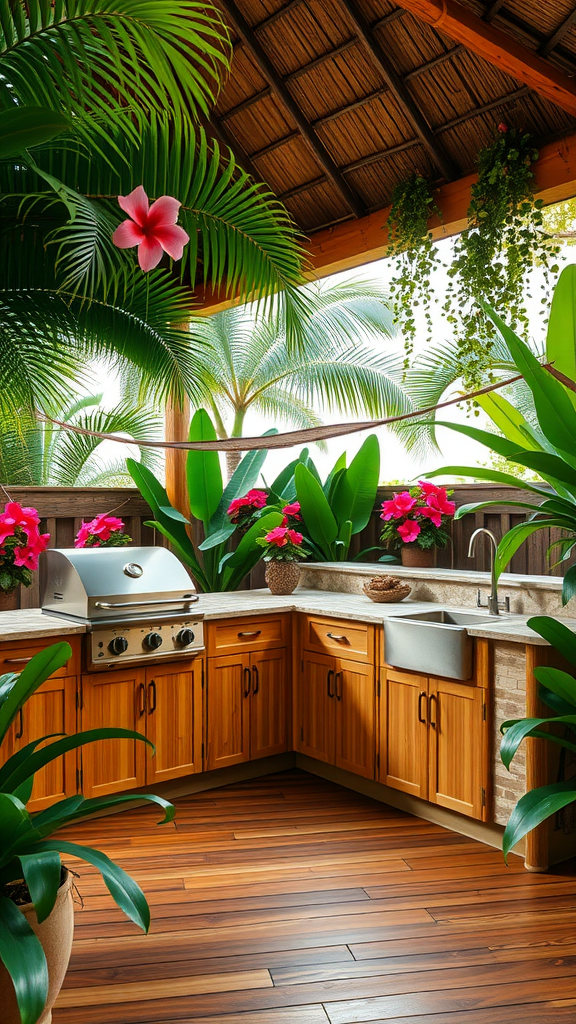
(336, 713)
(434, 740)
(351, 640)
(165, 705)
(250, 634)
(247, 714)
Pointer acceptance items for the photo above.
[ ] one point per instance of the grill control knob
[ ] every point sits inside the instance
(152, 641)
(118, 645)
(185, 637)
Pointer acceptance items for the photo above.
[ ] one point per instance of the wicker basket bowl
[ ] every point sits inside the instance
(386, 589)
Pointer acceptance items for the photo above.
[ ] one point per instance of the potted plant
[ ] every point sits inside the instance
(36, 912)
(283, 550)
(104, 531)
(20, 545)
(416, 523)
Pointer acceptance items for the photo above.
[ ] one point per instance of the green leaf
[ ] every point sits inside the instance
(23, 957)
(32, 676)
(219, 537)
(556, 634)
(42, 873)
(508, 420)
(569, 585)
(561, 335)
(517, 730)
(362, 477)
(23, 128)
(334, 474)
(493, 475)
(549, 466)
(248, 553)
(76, 807)
(561, 683)
(243, 479)
(121, 887)
(535, 807)
(316, 513)
(203, 473)
(515, 537)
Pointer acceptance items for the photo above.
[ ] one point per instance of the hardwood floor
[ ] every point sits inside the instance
(288, 900)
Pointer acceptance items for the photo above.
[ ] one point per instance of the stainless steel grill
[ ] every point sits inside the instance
(136, 602)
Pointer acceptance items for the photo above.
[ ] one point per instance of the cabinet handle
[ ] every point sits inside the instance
(152, 690)
(257, 680)
(337, 677)
(250, 632)
(341, 639)
(18, 735)
(329, 688)
(247, 681)
(17, 661)
(422, 695)
(142, 700)
(433, 721)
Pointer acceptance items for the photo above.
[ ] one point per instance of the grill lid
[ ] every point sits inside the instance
(113, 583)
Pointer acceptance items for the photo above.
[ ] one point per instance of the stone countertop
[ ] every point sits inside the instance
(31, 623)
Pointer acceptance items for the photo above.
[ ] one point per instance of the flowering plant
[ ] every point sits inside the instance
(291, 514)
(103, 531)
(20, 545)
(418, 516)
(152, 228)
(243, 512)
(282, 544)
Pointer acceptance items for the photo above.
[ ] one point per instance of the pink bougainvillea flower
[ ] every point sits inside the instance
(294, 536)
(409, 530)
(15, 515)
(82, 536)
(257, 498)
(427, 488)
(277, 536)
(292, 510)
(432, 514)
(152, 228)
(398, 506)
(440, 503)
(102, 526)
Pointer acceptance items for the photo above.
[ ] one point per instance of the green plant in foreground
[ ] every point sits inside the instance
(341, 507)
(26, 849)
(558, 691)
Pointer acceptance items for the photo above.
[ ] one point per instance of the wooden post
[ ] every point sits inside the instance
(537, 762)
(177, 424)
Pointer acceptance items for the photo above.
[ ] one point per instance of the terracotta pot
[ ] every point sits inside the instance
(9, 600)
(282, 577)
(415, 558)
(55, 934)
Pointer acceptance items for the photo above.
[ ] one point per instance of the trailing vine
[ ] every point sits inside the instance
(411, 242)
(504, 239)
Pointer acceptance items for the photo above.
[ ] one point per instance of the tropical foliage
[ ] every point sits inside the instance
(27, 851)
(558, 691)
(547, 448)
(334, 511)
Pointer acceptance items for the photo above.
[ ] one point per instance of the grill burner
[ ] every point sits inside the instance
(135, 602)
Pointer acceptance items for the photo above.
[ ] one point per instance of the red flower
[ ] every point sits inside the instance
(102, 526)
(409, 530)
(432, 514)
(427, 488)
(257, 498)
(294, 536)
(277, 536)
(502, 127)
(152, 228)
(439, 502)
(398, 506)
(292, 510)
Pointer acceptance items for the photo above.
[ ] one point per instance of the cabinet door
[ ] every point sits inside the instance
(51, 709)
(355, 725)
(114, 699)
(269, 718)
(174, 720)
(403, 732)
(317, 707)
(457, 737)
(229, 685)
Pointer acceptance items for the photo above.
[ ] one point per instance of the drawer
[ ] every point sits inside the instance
(232, 636)
(16, 655)
(338, 636)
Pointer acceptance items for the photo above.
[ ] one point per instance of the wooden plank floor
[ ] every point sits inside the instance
(288, 900)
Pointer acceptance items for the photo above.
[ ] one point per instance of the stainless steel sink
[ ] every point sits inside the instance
(434, 643)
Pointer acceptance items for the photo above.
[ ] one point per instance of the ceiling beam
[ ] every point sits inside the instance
(558, 35)
(269, 72)
(402, 94)
(498, 48)
(493, 9)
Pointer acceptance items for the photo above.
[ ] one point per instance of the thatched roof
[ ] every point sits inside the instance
(332, 102)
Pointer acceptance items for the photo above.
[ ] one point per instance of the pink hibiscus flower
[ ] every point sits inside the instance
(294, 536)
(152, 228)
(426, 487)
(257, 498)
(432, 514)
(439, 502)
(292, 510)
(398, 506)
(409, 530)
(277, 536)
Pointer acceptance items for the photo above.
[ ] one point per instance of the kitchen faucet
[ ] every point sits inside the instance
(494, 604)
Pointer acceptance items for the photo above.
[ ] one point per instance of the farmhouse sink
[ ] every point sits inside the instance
(434, 643)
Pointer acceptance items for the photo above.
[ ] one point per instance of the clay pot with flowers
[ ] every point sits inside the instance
(21, 543)
(104, 531)
(283, 549)
(416, 523)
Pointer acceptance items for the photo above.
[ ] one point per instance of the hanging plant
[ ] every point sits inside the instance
(504, 240)
(411, 242)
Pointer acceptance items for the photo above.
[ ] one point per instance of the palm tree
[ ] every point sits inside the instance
(97, 97)
(248, 364)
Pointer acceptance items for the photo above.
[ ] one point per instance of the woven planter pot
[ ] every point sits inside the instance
(282, 577)
(9, 600)
(55, 934)
(415, 558)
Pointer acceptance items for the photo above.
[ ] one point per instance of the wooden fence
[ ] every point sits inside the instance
(62, 510)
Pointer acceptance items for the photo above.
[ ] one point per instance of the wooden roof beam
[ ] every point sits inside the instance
(558, 35)
(403, 96)
(493, 9)
(498, 48)
(269, 72)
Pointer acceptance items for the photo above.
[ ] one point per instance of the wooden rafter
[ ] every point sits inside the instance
(400, 91)
(221, 133)
(558, 35)
(493, 9)
(269, 72)
(498, 48)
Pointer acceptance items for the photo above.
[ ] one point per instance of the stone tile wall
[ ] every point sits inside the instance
(509, 701)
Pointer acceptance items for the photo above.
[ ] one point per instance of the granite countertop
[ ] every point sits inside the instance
(28, 623)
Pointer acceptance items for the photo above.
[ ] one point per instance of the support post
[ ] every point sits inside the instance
(537, 853)
(176, 426)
